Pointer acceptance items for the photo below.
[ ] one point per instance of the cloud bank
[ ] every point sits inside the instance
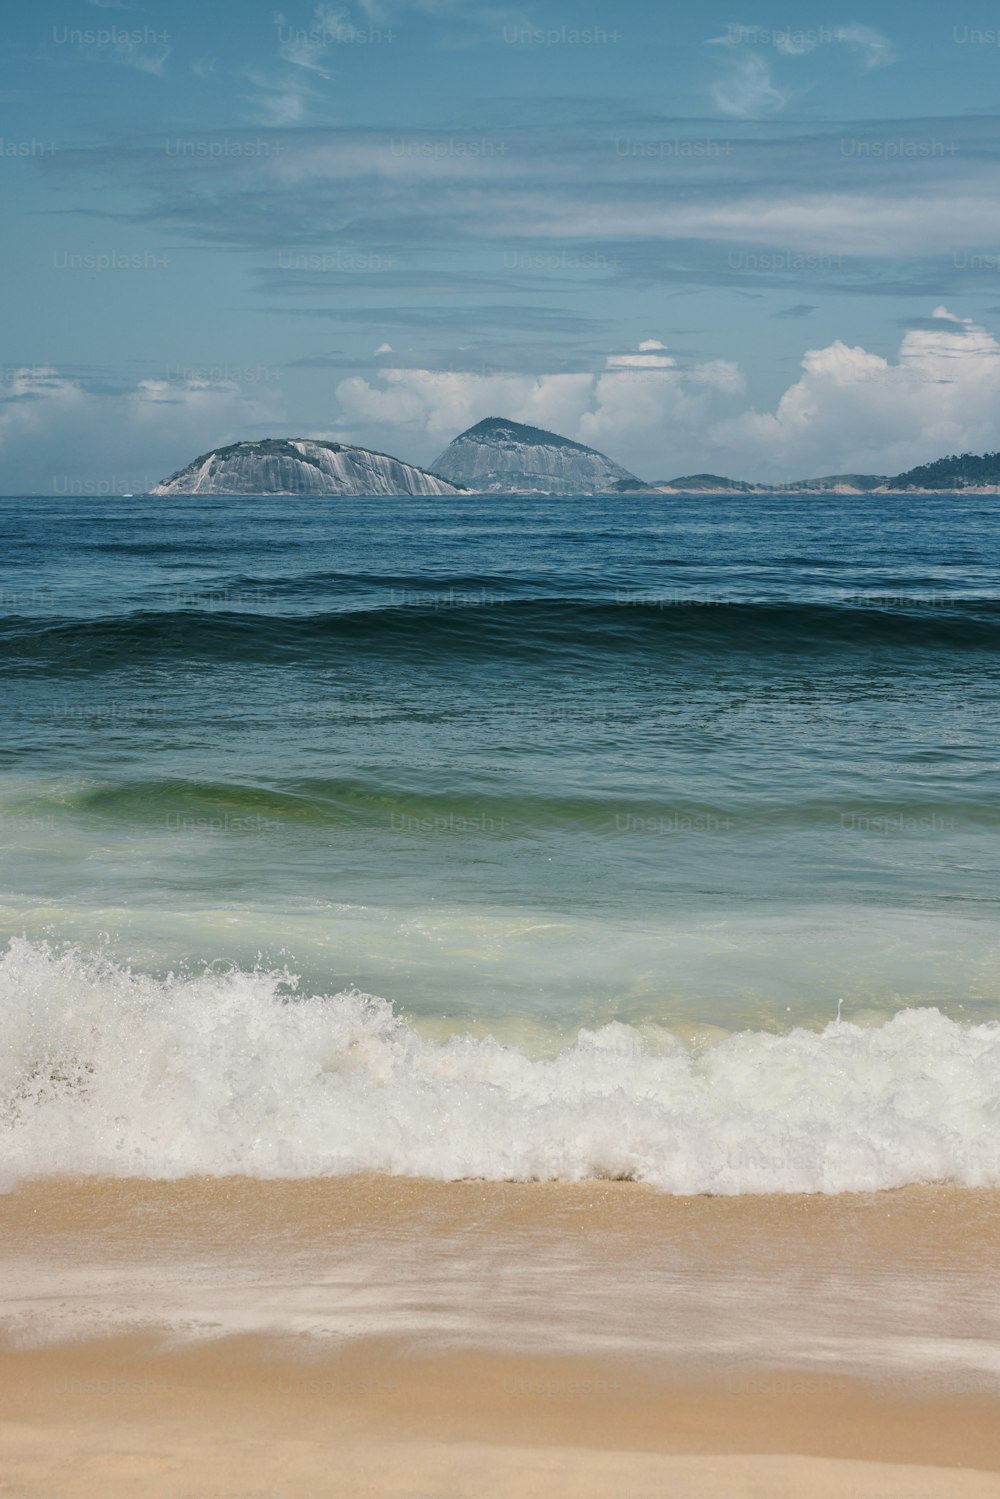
(848, 410)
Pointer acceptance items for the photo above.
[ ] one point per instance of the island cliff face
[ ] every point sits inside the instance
(497, 456)
(296, 466)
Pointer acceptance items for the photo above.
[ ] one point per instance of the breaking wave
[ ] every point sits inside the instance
(234, 1073)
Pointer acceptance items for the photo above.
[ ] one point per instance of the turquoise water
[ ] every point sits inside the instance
(513, 767)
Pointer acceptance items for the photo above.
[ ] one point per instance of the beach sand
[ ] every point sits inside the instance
(238, 1339)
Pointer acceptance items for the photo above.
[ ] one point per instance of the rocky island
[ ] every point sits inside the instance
(300, 466)
(498, 456)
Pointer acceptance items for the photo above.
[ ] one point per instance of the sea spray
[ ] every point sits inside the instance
(109, 1071)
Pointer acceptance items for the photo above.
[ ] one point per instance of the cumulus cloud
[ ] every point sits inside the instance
(850, 410)
(635, 406)
(440, 403)
(653, 413)
(856, 410)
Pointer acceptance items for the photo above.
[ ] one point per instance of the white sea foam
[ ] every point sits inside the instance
(104, 1070)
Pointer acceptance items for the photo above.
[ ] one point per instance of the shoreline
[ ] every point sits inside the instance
(248, 1339)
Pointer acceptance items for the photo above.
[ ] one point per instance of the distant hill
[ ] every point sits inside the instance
(717, 484)
(498, 456)
(959, 471)
(837, 484)
(944, 475)
(699, 483)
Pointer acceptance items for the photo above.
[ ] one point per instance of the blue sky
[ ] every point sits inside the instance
(754, 239)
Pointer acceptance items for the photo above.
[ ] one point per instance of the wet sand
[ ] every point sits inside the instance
(370, 1335)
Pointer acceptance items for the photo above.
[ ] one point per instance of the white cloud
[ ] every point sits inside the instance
(133, 56)
(284, 94)
(125, 50)
(644, 416)
(850, 410)
(824, 223)
(748, 91)
(639, 361)
(854, 410)
(638, 405)
(280, 98)
(58, 436)
(876, 51)
(307, 46)
(794, 44)
(31, 398)
(440, 404)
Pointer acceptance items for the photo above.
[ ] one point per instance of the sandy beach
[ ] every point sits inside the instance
(369, 1335)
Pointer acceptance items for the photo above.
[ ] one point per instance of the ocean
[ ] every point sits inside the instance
(649, 838)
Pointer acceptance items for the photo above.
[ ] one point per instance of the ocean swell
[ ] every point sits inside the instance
(480, 627)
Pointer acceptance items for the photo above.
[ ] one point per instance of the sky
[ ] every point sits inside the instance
(759, 240)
